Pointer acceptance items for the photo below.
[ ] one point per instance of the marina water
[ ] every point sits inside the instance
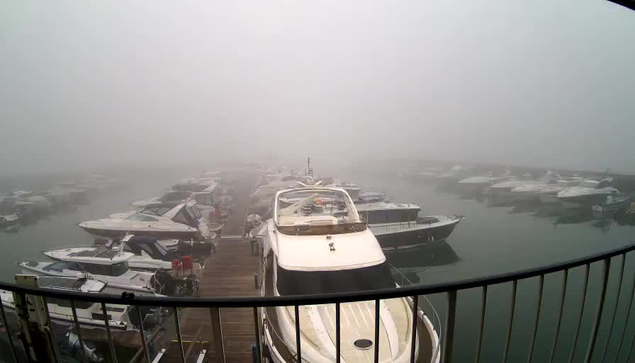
(491, 240)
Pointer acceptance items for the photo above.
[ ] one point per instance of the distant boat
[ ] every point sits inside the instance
(588, 193)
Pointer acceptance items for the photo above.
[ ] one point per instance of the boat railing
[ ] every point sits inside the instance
(593, 332)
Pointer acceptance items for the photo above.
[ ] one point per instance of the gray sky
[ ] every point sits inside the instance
(541, 82)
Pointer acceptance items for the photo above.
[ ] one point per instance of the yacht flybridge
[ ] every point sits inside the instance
(183, 222)
(317, 243)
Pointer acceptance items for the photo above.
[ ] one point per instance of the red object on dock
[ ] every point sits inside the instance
(187, 262)
(177, 264)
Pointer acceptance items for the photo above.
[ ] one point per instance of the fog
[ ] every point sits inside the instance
(85, 85)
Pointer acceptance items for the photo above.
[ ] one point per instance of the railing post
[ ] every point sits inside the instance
(113, 352)
(217, 330)
(178, 333)
(337, 333)
(377, 320)
(511, 320)
(617, 302)
(537, 319)
(79, 333)
(448, 338)
(481, 325)
(598, 317)
(257, 332)
(413, 342)
(577, 333)
(142, 334)
(564, 295)
(298, 336)
(8, 330)
(628, 316)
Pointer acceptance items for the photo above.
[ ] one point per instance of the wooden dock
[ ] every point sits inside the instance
(228, 272)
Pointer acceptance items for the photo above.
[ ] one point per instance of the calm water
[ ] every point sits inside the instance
(489, 241)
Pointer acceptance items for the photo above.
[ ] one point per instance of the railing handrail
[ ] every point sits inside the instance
(270, 301)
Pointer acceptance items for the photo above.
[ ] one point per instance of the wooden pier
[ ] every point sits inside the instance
(228, 272)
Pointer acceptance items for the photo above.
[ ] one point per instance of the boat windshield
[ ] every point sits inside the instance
(141, 218)
(588, 184)
(316, 211)
(322, 282)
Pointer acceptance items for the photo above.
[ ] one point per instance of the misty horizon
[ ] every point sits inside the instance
(86, 86)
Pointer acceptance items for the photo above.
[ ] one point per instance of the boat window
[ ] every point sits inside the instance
(117, 269)
(60, 266)
(141, 217)
(67, 303)
(203, 198)
(316, 211)
(323, 282)
(588, 184)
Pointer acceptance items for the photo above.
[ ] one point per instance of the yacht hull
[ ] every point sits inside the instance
(117, 233)
(397, 236)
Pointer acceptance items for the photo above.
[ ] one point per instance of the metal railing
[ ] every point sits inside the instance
(411, 291)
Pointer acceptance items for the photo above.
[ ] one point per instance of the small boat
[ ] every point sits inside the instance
(588, 193)
(329, 249)
(479, 183)
(110, 267)
(139, 262)
(89, 314)
(9, 220)
(181, 222)
(613, 204)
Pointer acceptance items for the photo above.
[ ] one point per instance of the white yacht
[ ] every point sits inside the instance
(89, 314)
(513, 190)
(479, 183)
(399, 226)
(183, 222)
(319, 244)
(588, 193)
(110, 267)
(351, 188)
(545, 192)
(141, 262)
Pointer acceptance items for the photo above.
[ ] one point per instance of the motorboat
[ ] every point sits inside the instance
(110, 267)
(318, 245)
(479, 183)
(89, 314)
(535, 191)
(588, 193)
(514, 190)
(399, 226)
(139, 262)
(370, 197)
(9, 220)
(182, 222)
(613, 204)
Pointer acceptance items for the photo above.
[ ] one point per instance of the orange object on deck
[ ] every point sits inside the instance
(177, 264)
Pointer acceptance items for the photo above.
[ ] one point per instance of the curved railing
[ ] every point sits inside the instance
(411, 291)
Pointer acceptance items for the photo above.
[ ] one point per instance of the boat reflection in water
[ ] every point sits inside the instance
(413, 261)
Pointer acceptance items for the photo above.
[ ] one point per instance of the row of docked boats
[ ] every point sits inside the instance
(21, 206)
(395, 225)
(156, 250)
(552, 188)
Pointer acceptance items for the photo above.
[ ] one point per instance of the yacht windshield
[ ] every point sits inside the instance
(588, 184)
(316, 211)
(142, 218)
(322, 282)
